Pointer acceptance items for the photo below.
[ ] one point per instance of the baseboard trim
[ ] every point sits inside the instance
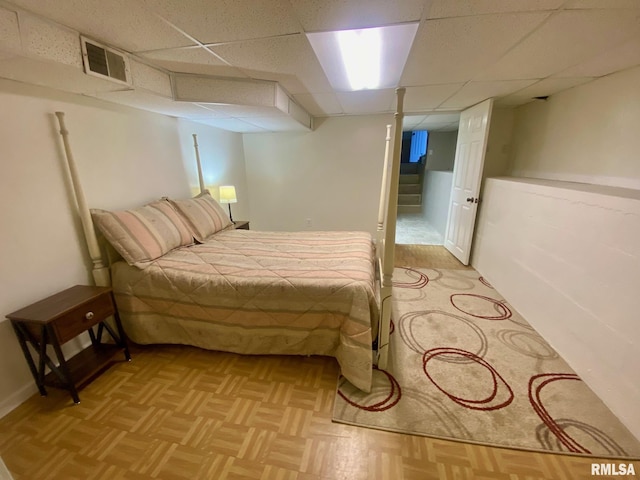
(16, 399)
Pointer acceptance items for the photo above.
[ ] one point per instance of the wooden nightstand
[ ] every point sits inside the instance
(59, 318)
(241, 225)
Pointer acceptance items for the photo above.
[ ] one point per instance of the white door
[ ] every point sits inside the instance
(467, 175)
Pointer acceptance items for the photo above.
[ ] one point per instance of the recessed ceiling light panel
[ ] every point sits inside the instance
(366, 58)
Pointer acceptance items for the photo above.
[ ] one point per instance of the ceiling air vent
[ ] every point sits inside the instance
(105, 62)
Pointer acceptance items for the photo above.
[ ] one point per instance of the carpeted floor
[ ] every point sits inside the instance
(464, 365)
(413, 228)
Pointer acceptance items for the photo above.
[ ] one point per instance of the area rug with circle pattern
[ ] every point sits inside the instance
(465, 365)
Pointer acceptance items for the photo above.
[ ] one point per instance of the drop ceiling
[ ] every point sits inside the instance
(464, 52)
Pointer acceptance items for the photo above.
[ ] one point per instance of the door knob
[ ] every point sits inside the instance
(470, 199)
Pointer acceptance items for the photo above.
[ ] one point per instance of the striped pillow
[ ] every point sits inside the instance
(203, 214)
(143, 234)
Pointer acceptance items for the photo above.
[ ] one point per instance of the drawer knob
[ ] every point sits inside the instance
(88, 315)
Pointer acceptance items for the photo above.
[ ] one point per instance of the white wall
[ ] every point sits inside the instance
(441, 150)
(436, 193)
(331, 175)
(125, 157)
(567, 257)
(222, 159)
(497, 159)
(586, 134)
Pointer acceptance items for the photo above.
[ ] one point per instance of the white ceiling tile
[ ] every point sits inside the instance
(151, 79)
(228, 20)
(231, 124)
(448, 8)
(368, 101)
(320, 104)
(545, 88)
(291, 83)
(243, 111)
(199, 68)
(120, 23)
(51, 41)
(323, 15)
(428, 97)
(443, 118)
(192, 54)
(410, 122)
(617, 58)
(155, 103)
(512, 101)
(55, 75)
(450, 127)
(278, 58)
(476, 92)
(567, 38)
(453, 50)
(196, 60)
(9, 31)
(277, 124)
(205, 111)
(433, 122)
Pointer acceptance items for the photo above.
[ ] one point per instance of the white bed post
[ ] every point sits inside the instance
(384, 189)
(100, 270)
(203, 189)
(388, 255)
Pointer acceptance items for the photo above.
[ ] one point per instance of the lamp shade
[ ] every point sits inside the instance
(228, 194)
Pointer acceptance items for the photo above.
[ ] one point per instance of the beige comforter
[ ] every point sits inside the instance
(259, 293)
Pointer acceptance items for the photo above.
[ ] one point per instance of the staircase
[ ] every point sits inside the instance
(410, 188)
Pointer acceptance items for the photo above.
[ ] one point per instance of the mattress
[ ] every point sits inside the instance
(250, 292)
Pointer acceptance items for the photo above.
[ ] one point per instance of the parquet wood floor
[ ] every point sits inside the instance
(427, 256)
(184, 413)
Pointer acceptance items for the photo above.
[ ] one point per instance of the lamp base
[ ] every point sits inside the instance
(230, 216)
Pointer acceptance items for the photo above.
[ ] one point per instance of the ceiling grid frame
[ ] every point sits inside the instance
(172, 37)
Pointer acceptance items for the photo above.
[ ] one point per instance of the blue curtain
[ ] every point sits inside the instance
(418, 145)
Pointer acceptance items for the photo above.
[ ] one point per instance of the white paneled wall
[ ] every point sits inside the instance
(436, 192)
(567, 257)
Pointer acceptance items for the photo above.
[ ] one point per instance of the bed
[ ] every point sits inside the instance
(186, 276)
(259, 293)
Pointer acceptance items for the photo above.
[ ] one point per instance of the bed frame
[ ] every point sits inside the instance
(385, 235)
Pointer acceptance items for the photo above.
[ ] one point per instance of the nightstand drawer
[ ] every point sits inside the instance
(83, 317)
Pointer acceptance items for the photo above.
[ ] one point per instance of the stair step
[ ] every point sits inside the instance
(409, 188)
(410, 199)
(409, 208)
(410, 178)
(409, 168)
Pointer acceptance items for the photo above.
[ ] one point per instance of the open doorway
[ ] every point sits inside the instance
(425, 184)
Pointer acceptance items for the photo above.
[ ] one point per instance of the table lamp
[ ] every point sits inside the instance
(228, 195)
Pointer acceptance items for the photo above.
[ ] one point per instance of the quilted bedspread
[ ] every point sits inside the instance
(243, 291)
